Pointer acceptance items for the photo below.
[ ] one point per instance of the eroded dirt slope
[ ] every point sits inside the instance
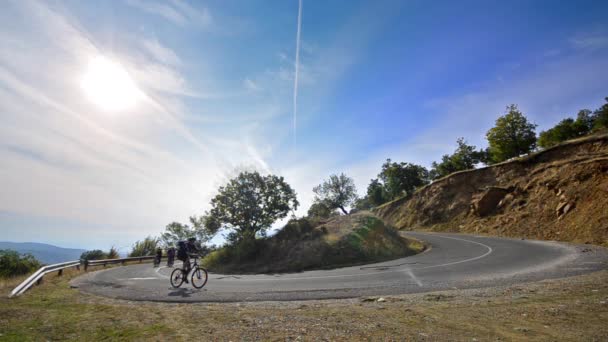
(557, 194)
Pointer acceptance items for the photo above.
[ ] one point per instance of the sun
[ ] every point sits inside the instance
(108, 85)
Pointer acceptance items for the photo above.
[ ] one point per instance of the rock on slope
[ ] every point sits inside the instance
(557, 194)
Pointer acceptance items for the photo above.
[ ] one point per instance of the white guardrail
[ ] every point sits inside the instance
(36, 277)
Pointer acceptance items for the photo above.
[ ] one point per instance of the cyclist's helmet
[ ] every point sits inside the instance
(192, 239)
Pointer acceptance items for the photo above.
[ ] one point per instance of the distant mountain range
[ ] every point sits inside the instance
(46, 254)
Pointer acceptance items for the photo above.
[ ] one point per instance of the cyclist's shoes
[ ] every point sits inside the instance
(186, 280)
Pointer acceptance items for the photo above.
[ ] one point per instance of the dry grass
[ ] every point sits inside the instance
(571, 309)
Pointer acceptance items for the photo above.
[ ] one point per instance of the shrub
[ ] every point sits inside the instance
(95, 254)
(146, 247)
(113, 253)
(15, 264)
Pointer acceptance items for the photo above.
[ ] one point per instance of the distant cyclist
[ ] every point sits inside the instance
(170, 256)
(185, 250)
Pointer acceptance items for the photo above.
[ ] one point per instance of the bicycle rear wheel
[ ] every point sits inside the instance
(177, 277)
(199, 277)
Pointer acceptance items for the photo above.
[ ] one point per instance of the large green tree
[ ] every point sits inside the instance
(337, 192)
(401, 179)
(465, 157)
(376, 194)
(249, 204)
(512, 136)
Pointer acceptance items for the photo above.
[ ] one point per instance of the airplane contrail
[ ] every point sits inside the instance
(295, 79)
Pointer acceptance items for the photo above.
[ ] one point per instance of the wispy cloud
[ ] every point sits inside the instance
(251, 85)
(590, 41)
(178, 12)
(161, 53)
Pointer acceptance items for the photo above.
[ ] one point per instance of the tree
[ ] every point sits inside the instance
(600, 117)
(401, 179)
(338, 192)
(15, 264)
(465, 157)
(176, 231)
(249, 204)
(362, 203)
(567, 129)
(146, 247)
(319, 210)
(95, 254)
(512, 136)
(376, 195)
(584, 122)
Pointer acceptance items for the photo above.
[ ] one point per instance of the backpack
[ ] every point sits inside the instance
(182, 250)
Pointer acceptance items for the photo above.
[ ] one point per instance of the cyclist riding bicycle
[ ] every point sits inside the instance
(185, 251)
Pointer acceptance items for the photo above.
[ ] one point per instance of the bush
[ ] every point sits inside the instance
(13, 264)
(146, 247)
(113, 253)
(95, 254)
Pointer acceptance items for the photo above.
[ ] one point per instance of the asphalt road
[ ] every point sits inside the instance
(454, 261)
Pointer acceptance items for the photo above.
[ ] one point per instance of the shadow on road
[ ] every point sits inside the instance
(184, 293)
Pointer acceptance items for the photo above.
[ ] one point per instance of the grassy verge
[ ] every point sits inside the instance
(572, 309)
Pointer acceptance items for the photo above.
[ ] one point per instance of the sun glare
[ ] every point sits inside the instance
(108, 85)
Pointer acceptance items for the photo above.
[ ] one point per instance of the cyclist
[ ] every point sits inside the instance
(185, 251)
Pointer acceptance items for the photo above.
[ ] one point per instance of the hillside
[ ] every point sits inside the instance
(47, 254)
(345, 240)
(557, 194)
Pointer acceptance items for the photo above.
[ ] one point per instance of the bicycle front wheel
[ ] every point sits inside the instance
(177, 277)
(199, 277)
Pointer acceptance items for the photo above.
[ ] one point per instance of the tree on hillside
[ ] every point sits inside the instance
(600, 117)
(465, 157)
(362, 203)
(376, 195)
(338, 192)
(319, 210)
(176, 231)
(95, 254)
(567, 129)
(402, 179)
(249, 204)
(512, 136)
(14, 264)
(144, 248)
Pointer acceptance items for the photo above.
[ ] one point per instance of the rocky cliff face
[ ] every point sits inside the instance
(558, 194)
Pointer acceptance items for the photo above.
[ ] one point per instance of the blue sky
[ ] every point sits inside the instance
(377, 80)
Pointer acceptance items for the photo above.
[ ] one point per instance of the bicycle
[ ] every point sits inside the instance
(199, 275)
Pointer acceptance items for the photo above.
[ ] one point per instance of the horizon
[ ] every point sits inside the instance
(207, 89)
